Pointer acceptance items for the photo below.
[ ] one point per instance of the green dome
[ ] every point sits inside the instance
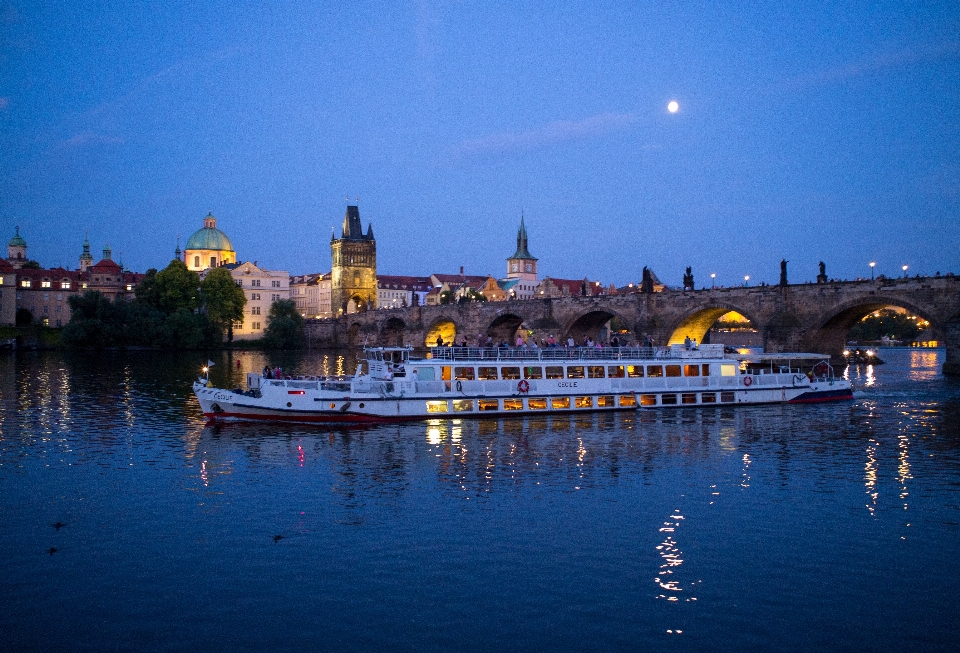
(17, 240)
(209, 237)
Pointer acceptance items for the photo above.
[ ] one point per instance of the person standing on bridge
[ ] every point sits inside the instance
(439, 340)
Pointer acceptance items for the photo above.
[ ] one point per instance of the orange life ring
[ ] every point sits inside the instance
(523, 386)
(747, 380)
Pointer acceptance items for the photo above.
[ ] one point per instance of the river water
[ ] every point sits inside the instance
(128, 524)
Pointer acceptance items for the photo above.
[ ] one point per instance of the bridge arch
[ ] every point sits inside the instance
(829, 332)
(504, 328)
(442, 327)
(589, 324)
(695, 325)
(392, 332)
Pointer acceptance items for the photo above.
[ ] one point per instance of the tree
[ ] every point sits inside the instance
(285, 326)
(30, 265)
(93, 322)
(223, 301)
(177, 288)
(147, 292)
(23, 317)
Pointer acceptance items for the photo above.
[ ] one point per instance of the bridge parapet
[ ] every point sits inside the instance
(809, 317)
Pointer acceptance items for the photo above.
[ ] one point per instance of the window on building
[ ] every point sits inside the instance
(45, 283)
(65, 285)
(25, 283)
(255, 310)
(129, 287)
(213, 261)
(255, 326)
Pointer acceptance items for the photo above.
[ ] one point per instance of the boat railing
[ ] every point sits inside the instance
(573, 353)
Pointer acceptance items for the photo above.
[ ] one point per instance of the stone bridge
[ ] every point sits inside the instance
(801, 317)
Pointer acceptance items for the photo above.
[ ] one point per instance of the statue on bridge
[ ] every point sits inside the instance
(822, 277)
(688, 280)
(783, 272)
(646, 283)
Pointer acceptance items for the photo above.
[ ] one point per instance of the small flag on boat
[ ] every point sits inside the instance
(210, 363)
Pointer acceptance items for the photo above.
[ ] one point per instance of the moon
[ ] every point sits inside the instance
(673, 106)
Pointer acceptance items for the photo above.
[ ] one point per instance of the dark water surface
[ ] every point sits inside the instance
(832, 527)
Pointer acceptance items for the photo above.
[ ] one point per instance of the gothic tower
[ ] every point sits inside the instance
(17, 250)
(86, 258)
(353, 283)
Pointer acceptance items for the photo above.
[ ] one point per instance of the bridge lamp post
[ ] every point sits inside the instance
(905, 270)
(713, 279)
(873, 264)
(746, 280)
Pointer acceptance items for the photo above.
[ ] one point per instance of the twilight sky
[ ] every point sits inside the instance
(807, 131)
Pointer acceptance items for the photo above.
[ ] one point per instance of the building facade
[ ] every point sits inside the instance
(311, 294)
(261, 288)
(354, 274)
(208, 247)
(8, 294)
(400, 291)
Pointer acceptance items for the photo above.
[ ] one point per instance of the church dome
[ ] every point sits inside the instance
(17, 240)
(209, 237)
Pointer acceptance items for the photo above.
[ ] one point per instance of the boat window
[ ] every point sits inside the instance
(595, 371)
(636, 371)
(673, 370)
(654, 370)
(487, 373)
(554, 372)
(533, 372)
(560, 402)
(706, 369)
(648, 400)
(445, 373)
(537, 404)
(436, 406)
(615, 371)
(668, 400)
(728, 369)
(463, 373)
(606, 401)
(691, 370)
(510, 373)
(513, 404)
(575, 372)
(688, 398)
(727, 397)
(708, 398)
(463, 405)
(425, 373)
(487, 404)
(584, 402)
(628, 401)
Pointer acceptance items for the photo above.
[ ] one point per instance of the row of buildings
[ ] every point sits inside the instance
(351, 285)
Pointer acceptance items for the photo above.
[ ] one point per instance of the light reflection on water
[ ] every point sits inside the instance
(527, 534)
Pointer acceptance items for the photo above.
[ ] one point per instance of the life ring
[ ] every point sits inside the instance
(748, 380)
(459, 386)
(523, 386)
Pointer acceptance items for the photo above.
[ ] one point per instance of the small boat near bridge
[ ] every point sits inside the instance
(392, 385)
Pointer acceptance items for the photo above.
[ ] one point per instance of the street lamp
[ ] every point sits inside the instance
(746, 280)
(873, 264)
(713, 279)
(905, 270)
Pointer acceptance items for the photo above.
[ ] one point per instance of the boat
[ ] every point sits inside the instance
(391, 384)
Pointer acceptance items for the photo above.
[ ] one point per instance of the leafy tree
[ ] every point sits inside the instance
(893, 324)
(223, 301)
(23, 317)
(285, 326)
(93, 322)
(446, 297)
(147, 292)
(30, 265)
(177, 288)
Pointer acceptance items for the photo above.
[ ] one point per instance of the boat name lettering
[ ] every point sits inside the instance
(567, 384)
(219, 396)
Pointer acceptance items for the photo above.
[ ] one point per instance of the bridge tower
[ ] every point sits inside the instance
(353, 283)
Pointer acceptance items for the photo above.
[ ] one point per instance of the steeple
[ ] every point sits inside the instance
(86, 258)
(107, 252)
(177, 254)
(522, 252)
